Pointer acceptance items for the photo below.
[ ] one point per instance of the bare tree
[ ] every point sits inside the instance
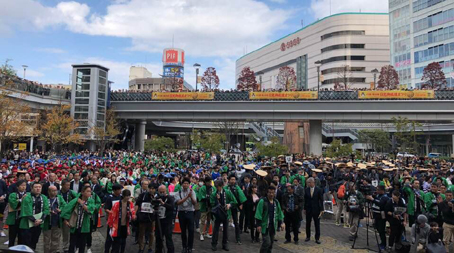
(228, 128)
(344, 74)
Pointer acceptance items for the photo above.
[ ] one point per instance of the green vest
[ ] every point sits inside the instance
(262, 214)
(69, 208)
(27, 210)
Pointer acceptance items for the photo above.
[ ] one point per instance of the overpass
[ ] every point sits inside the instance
(343, 106)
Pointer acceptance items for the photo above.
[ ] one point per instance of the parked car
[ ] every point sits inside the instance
(405, 155)
(434, 155)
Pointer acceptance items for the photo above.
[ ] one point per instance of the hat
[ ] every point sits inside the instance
(317, 170)
(249, 166)
(261, 173)
(298, 163)
(422, 219)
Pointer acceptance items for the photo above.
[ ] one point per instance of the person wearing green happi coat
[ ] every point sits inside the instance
(53, 223)
(269, 216)
(237, 208)
(14, 207)
(286, 178)
(203, 198)
(415, 197)
(34, 210)
(221, 199)
(302, 178)
(77, 215)
(431, 200)
(94, 216)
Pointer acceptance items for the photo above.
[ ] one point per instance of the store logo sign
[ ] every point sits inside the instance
(290, 44)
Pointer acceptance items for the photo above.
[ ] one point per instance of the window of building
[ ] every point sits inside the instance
(83, 72)
(341, 80)
(81, 101)
(342, 46)
(342, 33)
(434, 52)
(433, 20)
(423, 4)
(83, 94)
(80, 115)
(81, 108)
(340, 69)
(344, 58)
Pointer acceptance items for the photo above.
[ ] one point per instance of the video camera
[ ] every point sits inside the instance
(366, 190)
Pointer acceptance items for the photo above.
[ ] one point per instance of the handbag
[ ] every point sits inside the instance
(219, 213)
(73, 218)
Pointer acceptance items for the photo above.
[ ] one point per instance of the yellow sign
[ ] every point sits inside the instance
(396, 94)
(183, 96)
(288, 95)
(20, 146)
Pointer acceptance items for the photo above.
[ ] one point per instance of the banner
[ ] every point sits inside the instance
(183, 96)
(291, 95)
(396, 94)
(20, 146)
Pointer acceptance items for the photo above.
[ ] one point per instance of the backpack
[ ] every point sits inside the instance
(341, 191)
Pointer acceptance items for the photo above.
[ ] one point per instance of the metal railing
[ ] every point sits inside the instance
(244, 96)
(28, 87)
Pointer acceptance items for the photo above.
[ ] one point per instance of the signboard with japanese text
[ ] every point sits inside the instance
(173, 71)
(285, 95)
(396, 94)
(183, 96)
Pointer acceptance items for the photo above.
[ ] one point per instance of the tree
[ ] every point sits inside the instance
(343, 76)
(59, 128)
(247, 80)
(210, 79)
(272, 149)
(228, 128)
(7, 69)
(433, 76)
(105, 135)
(286, 79)
(212, 142)
(377, 138)
(196, 139)
(406, 133)
(337, 149)
(160, 144)
(388, 78)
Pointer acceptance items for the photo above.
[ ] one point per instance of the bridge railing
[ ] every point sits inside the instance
(244, 96)
(26, 86)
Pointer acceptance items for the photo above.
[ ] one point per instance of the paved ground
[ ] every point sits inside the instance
(334, 239)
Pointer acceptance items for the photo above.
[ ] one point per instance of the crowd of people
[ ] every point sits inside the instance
(147, 195)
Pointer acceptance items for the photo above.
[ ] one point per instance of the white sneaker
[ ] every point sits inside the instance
(232, 225)
(208, 236)
(6, 243)
(201, 238)
(89, 251)
(198, 230)
(2, 234)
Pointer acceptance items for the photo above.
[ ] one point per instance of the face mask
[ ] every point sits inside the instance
(201, 183)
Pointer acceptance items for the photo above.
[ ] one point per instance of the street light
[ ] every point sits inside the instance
(25, 68)
(197, 67)
(318, 80)
(375, 71)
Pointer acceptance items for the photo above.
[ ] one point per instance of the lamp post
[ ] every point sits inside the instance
(375, 71)
(318, 78)
(25, 68)
(197, 67)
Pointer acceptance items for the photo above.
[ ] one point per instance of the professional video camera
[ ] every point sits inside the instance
(366, 190)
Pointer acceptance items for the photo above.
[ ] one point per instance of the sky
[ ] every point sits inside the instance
(50, 35)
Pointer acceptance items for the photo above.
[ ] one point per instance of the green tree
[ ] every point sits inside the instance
(7, 69)
(196, 139)
(212, 142)
(377, 138)
(406, 134)
(106, 134)
(273, 149)
(337, 149)
(160, 144)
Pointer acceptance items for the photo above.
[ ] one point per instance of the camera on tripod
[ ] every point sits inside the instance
(366, 190)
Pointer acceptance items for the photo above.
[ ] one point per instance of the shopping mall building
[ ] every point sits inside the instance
(359, 40)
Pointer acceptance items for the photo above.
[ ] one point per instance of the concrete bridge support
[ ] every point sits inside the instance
(140, 136)
(315, 137)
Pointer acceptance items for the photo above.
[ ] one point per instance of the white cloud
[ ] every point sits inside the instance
(321, 8)
(51, 50)
(278, 1)
(201, 27)
(30, 73)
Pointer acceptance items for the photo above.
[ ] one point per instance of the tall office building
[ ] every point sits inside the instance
(421, 32)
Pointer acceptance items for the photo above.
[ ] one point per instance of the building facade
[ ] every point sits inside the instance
(138, 72)
(421, 32)
(357, 40)
(156, 84)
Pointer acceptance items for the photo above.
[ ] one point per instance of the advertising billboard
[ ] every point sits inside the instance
(173, 71)
(173, 56)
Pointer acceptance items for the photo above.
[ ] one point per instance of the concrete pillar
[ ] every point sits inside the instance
(31, 144)
(140, 136)
(427, 145)
(315, 137)
(91, 145)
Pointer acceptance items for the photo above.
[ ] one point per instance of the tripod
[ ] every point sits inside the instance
(367, 215)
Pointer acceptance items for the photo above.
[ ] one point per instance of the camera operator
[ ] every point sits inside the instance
(447, 212)
(396, 215)
(146, 217)
(419, 233)
(165, 214)
(415, 205)
(355, 202)
(378, 211)
(365, 187)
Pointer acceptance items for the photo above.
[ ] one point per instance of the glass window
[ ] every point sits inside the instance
(83, 72)
(82, 86)
(80, 115)
(82, 101)
(102, 73)
(100, 123)
(101, 109)
(83, 94)
(81, 109)
(102, 81)
(101, 102)
(81, 130)
(102, 88)
(100, 116)
(82, 123)
(102, 95)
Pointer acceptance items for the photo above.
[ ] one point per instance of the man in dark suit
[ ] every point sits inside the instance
(313, 208)
(96, 187)
(76, 185)
(51, 182)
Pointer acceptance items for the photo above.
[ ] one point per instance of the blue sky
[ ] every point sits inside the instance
(50, 35)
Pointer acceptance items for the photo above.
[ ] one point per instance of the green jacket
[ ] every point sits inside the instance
(229, 199)
(285, 180)
(27, 210)
(71, 195)
(61, 205)
(13, 203)
(203, 199)
(69, 208)
(261, 214)
(241, 197)
(302, 179)
(431, 203)
(411, 199)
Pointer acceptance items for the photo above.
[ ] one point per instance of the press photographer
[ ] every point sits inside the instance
(365, 187)
(355, 205)
(396, 215)
(379, 201)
